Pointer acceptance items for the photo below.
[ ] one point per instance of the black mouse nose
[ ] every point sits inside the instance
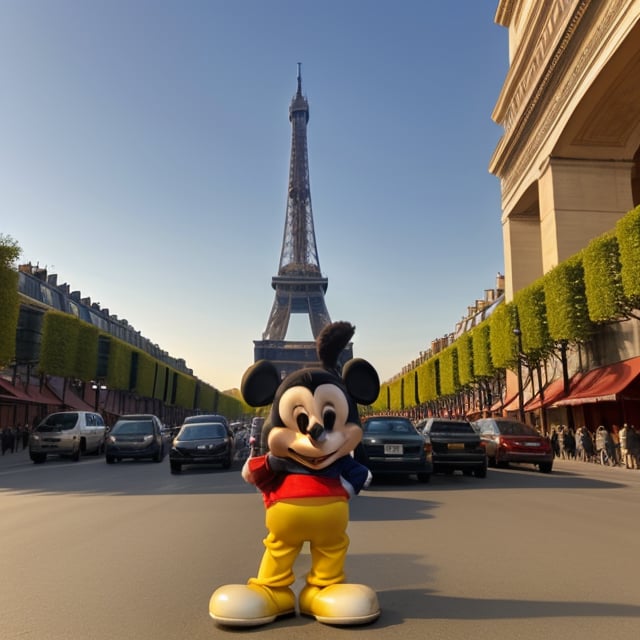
(316, 432)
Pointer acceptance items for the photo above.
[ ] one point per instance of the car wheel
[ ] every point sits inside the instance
(38, 458)
(110, 459)
(546, 467)
(176, 467)
(227, 463)
(492, 461)
(75, 456)
(424, 477)
(481, 472)
(157, 457)
(501, 464)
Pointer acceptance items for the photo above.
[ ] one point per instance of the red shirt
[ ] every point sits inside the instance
(282, 486)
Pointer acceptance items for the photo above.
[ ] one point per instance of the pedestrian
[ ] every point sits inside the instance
(18, 437)
(605, 447)
(633, 442)
(7, 440)
(554, 442)
(568, 443)
(26, 432)
(615, 437)
(625, 451)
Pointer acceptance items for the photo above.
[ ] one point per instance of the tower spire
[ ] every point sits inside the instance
(299, 285)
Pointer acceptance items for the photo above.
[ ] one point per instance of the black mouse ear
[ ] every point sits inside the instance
(361, 380)
(259, 383)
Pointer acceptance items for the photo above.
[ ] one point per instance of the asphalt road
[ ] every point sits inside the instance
(90, 551)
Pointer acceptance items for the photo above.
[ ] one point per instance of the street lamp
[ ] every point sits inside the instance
(518, 334)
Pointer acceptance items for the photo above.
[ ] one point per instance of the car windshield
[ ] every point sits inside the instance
(133, 427)
(451, 427)
(58, 421)
(516, 429)
(388, 426)
(202, 431)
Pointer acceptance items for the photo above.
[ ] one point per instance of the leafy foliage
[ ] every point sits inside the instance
(532, 315)
(9, 313)
(566, 299)
(465, 359)
(602, 279)
(503, 342)
(59, 344)
(427, 381)
(9, 251)
(449, 381)
(628, 237)
(409, 389)
(395, 395)
(482, 363)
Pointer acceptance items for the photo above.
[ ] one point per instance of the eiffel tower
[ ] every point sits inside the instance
(299, 285)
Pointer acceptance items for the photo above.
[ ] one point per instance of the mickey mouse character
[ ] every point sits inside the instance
(306, 480)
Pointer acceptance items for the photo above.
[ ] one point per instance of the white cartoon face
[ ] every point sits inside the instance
(315, 431)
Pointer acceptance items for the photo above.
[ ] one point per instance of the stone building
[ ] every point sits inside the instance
(569, 169)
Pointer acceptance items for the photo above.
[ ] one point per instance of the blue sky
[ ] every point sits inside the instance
(145, 158)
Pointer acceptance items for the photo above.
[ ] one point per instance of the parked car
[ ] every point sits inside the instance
(71, 433)
(508, 440)
(206, 417)
(392, 445)
(202, 443)
(136, 436)
(456, 446)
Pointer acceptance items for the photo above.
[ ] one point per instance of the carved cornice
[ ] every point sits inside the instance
(536, 51)
(504, 12)
(564, 71)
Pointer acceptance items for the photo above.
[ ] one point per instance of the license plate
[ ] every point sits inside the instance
(393, 449)
(456, 445)
(531, 444)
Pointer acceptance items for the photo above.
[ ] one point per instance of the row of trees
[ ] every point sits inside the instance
(80, 352)
(564, 308)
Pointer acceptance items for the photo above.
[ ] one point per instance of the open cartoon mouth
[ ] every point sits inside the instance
(311, 460)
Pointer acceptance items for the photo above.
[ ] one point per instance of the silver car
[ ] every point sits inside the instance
(70, 433)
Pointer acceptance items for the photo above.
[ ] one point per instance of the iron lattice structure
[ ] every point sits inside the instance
(299, 285)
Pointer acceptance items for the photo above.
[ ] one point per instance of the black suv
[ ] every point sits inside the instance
(455, 445)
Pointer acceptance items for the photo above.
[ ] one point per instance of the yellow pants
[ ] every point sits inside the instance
(320, 521)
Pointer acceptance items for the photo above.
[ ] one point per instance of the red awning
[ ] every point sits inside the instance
(604, 384)
(71, 399)
(76, 402)
(43, 395)
(12, 391)
(552, 393)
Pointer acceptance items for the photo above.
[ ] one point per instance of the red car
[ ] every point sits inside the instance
(507, 440)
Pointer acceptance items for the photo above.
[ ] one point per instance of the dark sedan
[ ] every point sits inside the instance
(392, 445)
(456, 446)
(202, 443)
(136, 436)
(509, 440)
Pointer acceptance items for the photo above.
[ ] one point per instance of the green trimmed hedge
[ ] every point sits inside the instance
(9, 314)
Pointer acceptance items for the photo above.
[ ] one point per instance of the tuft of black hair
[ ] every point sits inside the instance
(331, 341)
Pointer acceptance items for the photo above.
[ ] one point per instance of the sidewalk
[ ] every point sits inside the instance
(19, 457)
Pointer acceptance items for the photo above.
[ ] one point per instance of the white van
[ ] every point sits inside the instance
(70, 433)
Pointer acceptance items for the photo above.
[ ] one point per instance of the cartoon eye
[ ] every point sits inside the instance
(329, 418)
(302, 420)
